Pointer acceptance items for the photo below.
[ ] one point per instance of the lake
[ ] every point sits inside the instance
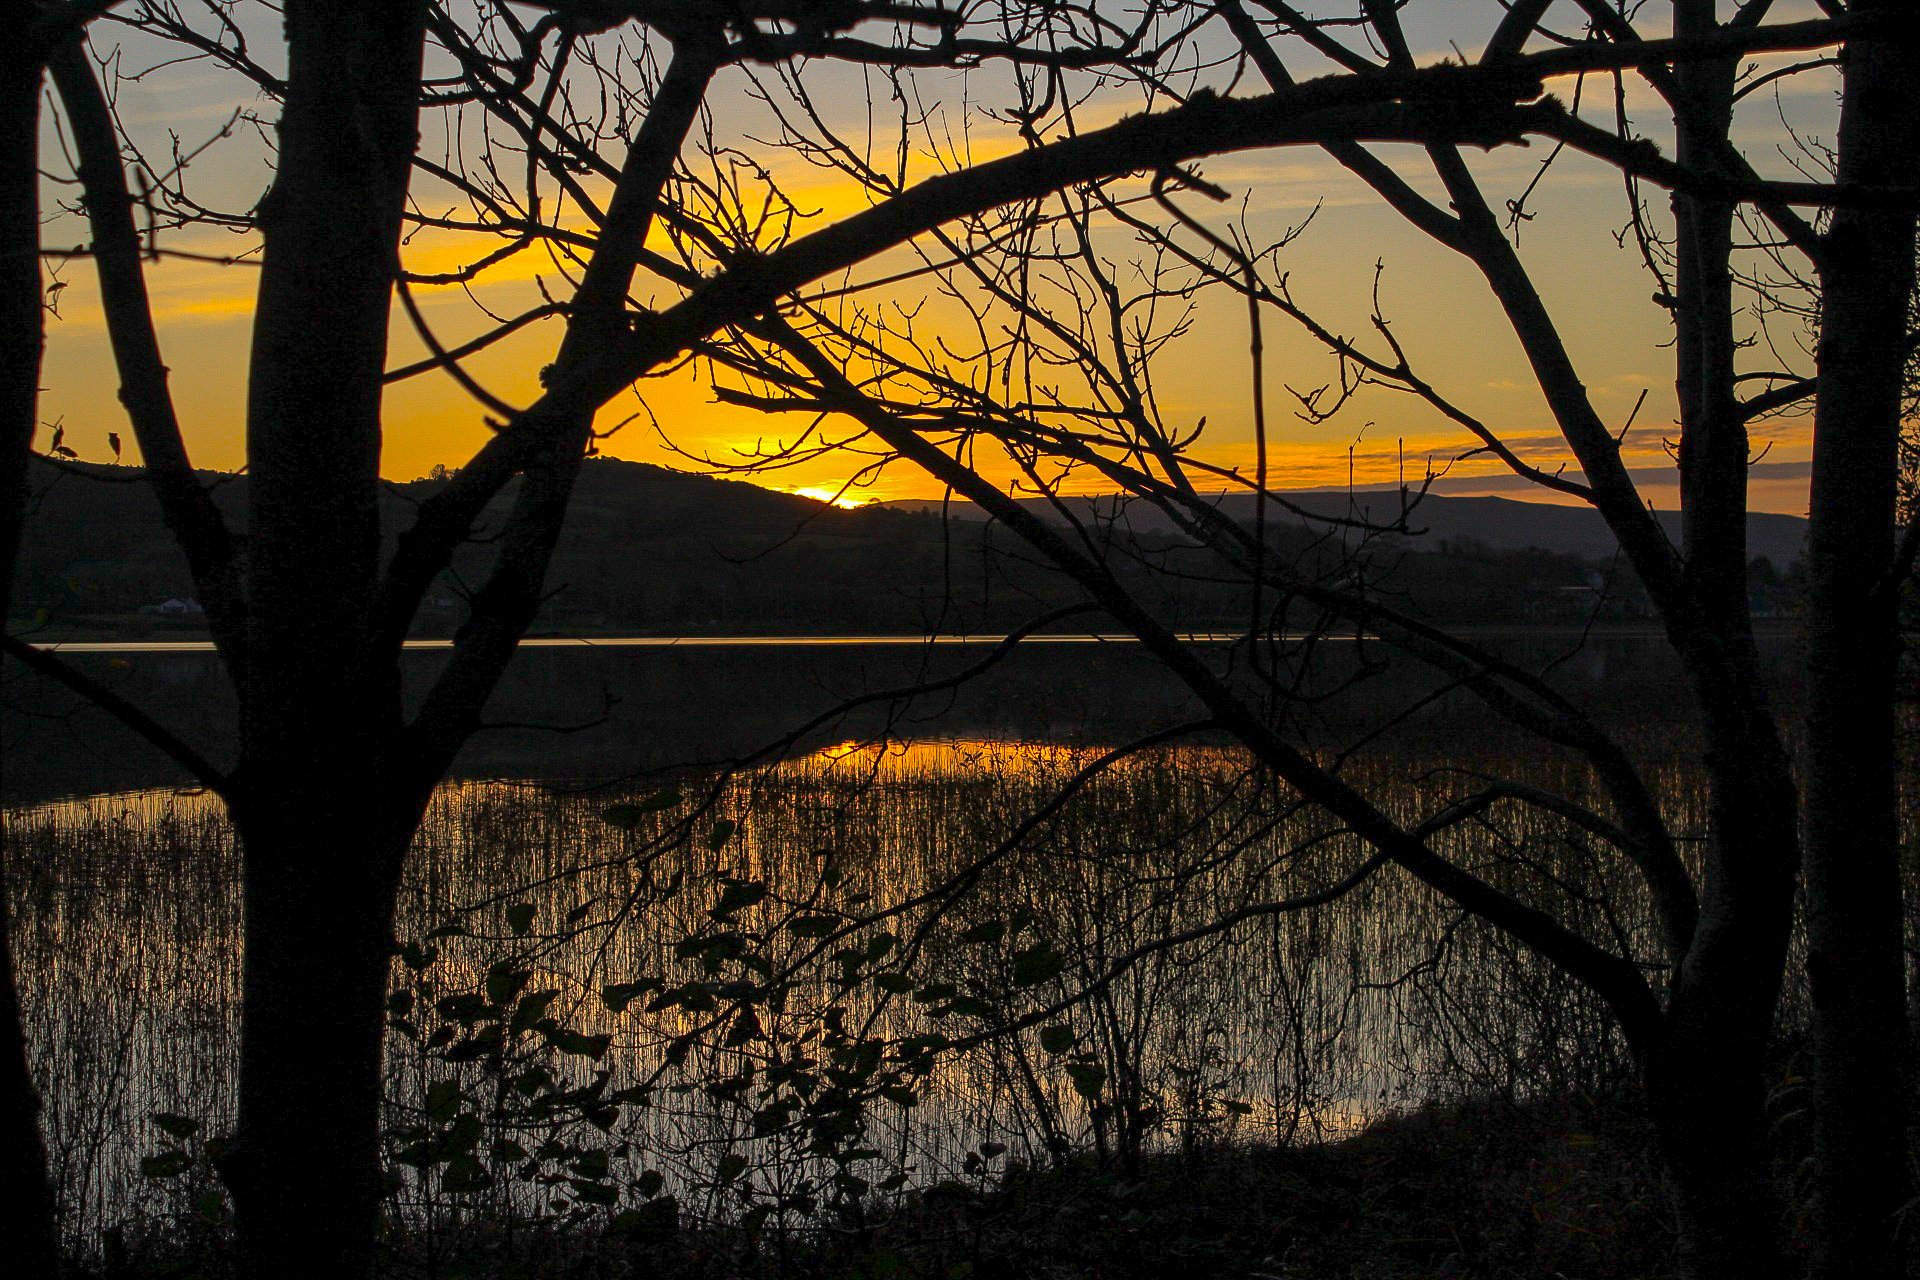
(918, 883)
(605, 708)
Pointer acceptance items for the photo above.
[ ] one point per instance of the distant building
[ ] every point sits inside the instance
(176, 607)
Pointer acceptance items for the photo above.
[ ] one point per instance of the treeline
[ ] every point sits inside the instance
(651, 550)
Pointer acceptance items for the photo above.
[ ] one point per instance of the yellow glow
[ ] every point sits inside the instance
(820, 493)
(1453, 331)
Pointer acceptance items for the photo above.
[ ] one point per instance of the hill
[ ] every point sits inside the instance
(644, 549)
(648, 550)
(1437, 522)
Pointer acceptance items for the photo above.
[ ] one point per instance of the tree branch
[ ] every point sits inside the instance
(505, 605)
(1614, 978)
(44, 663)
(184, 502)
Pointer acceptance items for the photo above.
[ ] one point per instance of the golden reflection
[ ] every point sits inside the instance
(1285, 1028)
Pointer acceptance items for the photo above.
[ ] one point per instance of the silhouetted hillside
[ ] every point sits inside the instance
(649, 550)
(644, 549)
(1437, 522)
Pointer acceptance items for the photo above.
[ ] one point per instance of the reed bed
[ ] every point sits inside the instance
(753, 1002)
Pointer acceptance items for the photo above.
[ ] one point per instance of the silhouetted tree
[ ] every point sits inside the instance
(33, 31)
(330, 778)
(1700, 1030)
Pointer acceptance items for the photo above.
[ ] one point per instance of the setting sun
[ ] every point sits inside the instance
(832, 496)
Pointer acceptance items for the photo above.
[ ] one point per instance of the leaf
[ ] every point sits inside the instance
(731, 1166)
(1038, 963)
(175, 1126)
(648, 1184)
(986, 932)
(618, 995)
(922, 1046)
(969, 1006)
(167, 1164)
(1087, 1079)
(567, 1040)
(745, 1030)
(627, 816)
(464, 1173)
(484, 1041)
(417, 957)
(812, 926)
(1057, 1038)
(532, 1007)
(463, 1135)
(443, 1100)
(504, 982)
(520, 918)
(721, 832)
(591, 1164)
(467, 1007)
(415, 1155)
(737, 896)
(593, 1192)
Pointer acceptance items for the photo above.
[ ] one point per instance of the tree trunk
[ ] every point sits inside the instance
(323, 811)
(322, 863)
(1710, 1140)
(1713, 435)
(34, 1246)
(1706, 1096)
(1705, 1084)
(1854, 961)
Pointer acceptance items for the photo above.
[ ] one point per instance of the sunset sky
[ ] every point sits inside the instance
(1438, 306)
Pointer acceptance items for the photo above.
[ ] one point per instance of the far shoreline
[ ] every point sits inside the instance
(197, 640)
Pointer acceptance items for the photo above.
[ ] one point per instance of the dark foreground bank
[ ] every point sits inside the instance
(1486, 1190)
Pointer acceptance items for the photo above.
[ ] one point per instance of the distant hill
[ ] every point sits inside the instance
(644, 549)
(647, 550)
(1497, 524)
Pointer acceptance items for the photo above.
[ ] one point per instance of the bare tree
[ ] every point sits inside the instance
(1074, 390)
(330, 777)
(35, 30)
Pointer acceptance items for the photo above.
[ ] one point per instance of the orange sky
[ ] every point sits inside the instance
(1439, 309)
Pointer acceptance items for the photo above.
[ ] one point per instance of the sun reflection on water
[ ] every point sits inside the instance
(1289, 1027)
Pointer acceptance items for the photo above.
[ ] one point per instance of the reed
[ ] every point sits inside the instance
(795, 999)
